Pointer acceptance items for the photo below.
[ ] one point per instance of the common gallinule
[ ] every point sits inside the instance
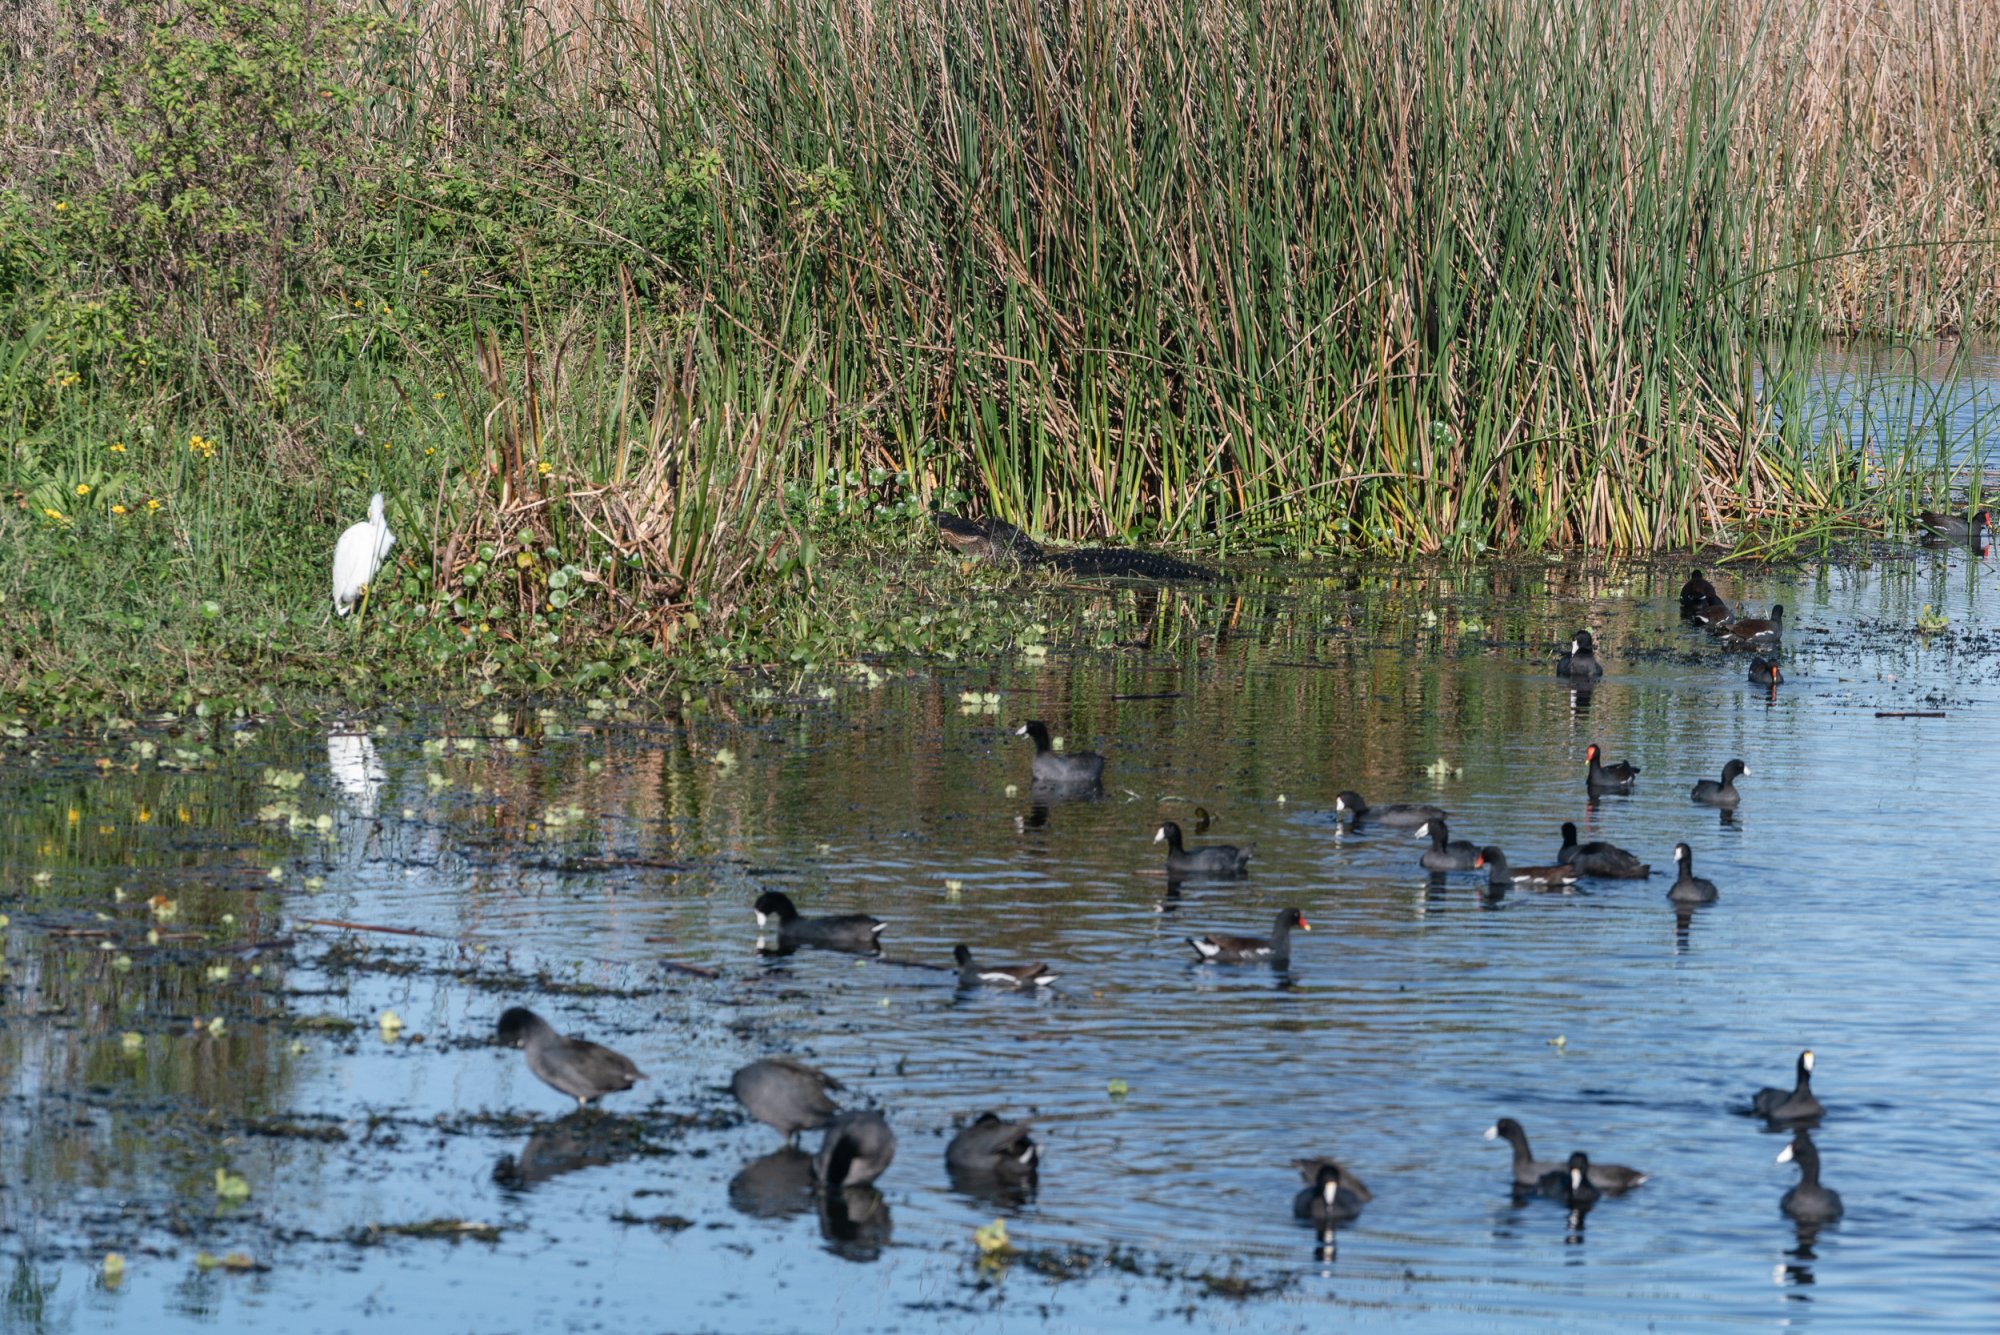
(1700, 602)
(1764, 672)
(999, 975)
(1756, 630)
(1603, 778)
(1975, 526)
(1275, 949)
(1597, 858)
(1499, 873)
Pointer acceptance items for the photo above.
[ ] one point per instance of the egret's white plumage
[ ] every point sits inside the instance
(359, 554)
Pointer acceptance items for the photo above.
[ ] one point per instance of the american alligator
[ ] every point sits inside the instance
(1000, 543)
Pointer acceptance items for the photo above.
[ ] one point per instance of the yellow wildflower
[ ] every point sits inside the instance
(117, 509)
(544, 467)
(53, 514)
(117, 448)
(83, 489)
(153, 504)
(61, 205)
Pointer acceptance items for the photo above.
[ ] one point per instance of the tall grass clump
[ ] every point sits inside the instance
(1433, 278)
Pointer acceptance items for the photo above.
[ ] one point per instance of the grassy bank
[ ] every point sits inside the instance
(632, 310)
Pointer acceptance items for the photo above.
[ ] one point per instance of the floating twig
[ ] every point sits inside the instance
(346, 926)
(1909, 713)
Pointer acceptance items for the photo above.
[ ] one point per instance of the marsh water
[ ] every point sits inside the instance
(209, 918)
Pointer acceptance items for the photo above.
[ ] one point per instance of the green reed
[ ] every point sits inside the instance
(1459, 278)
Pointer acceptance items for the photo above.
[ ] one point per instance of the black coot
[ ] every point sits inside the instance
(1397, 815)
(786, 1094)
(1329, 1200)
(1808, 1201)
(1078, 769)
(1581, 660)
(1690, 889)
(1214, 860)
(1445, 852)
(853, 932)
(1571, 1183)
(1710, 793)
(1529, 1171)
(1790, 1105)
(989, 1147)
(857, 1149)
(577, 1067)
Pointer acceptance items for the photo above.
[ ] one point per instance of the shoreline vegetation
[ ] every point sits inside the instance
(642, 314)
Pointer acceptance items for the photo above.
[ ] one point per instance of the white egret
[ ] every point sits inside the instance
(358, 555)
